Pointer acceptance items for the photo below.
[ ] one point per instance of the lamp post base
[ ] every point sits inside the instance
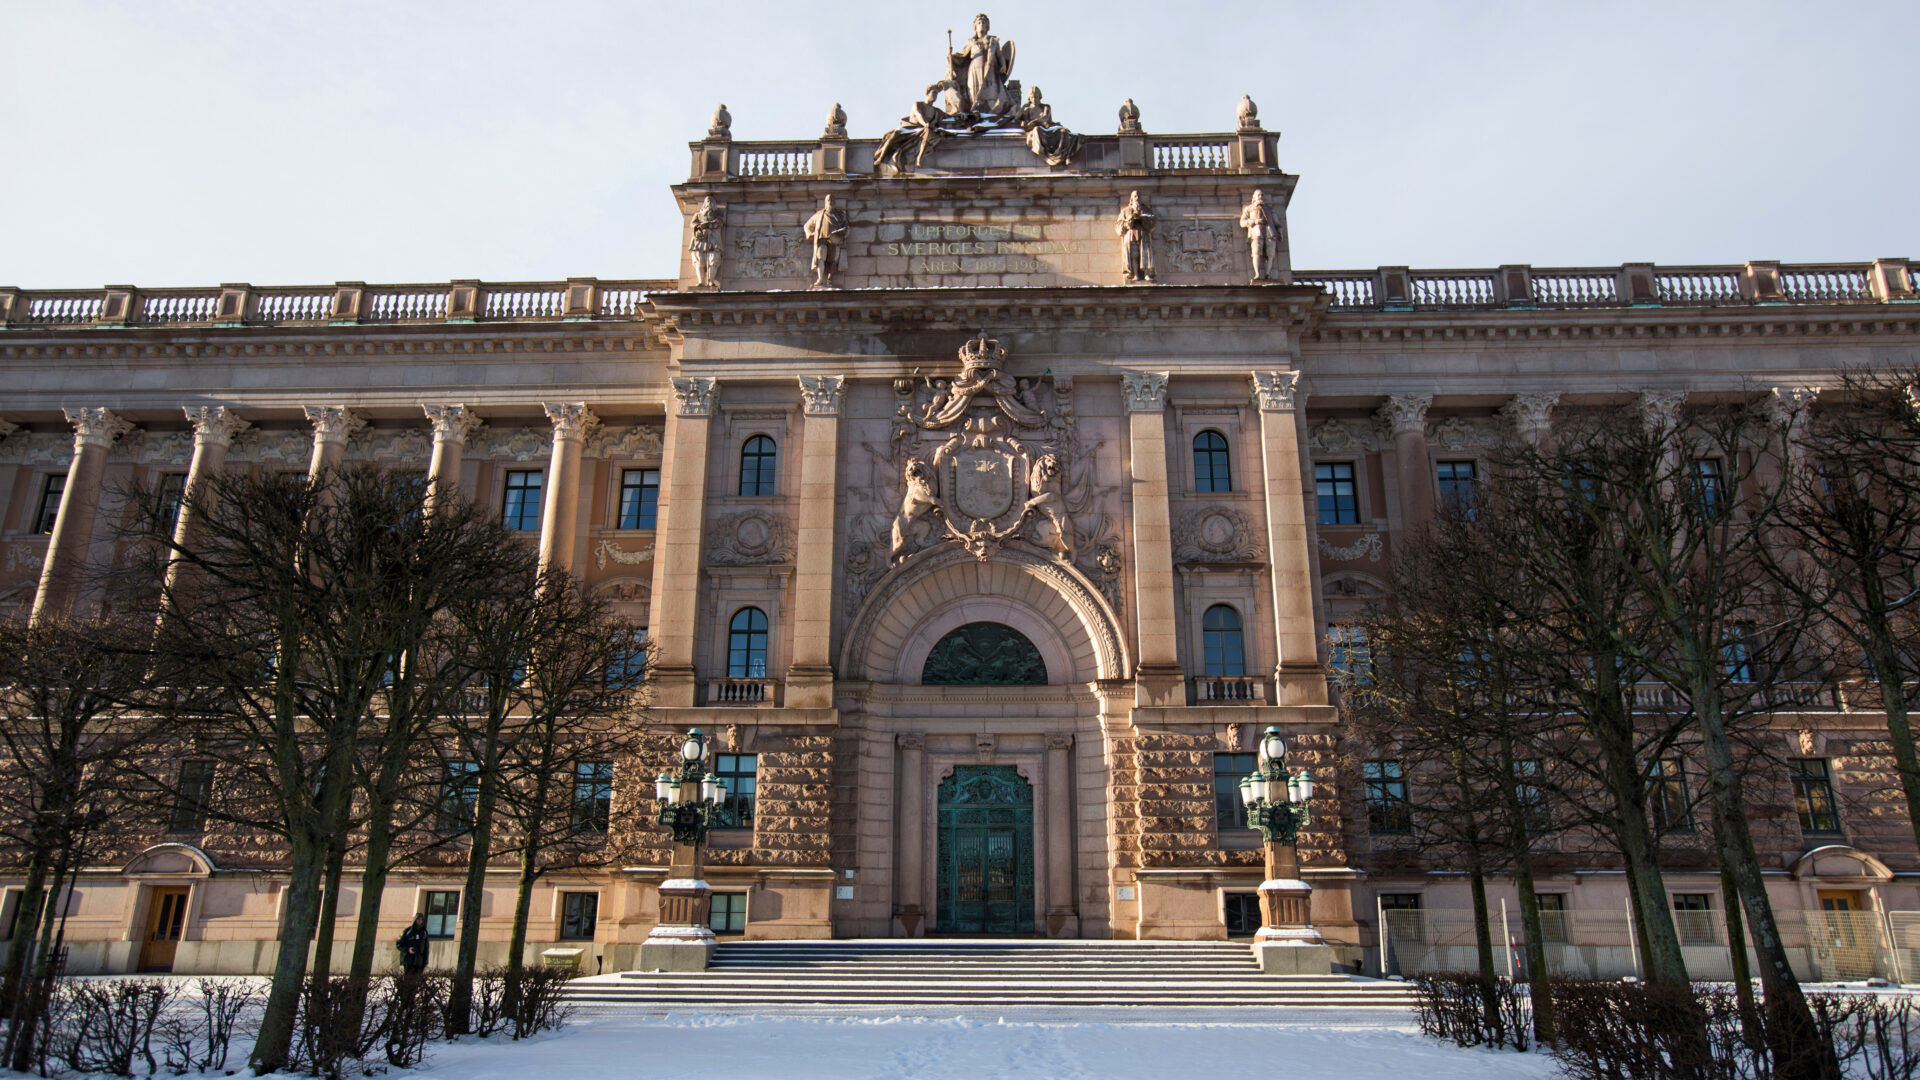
(677, 948)
(1293, 957)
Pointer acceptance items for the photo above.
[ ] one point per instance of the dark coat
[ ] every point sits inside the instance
(413, 948)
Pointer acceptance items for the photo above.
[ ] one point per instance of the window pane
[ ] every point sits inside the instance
(579, 913)
(592, 795)
(639, 498)
(190, 800)
(520, 508)
(1334, 486)
(443, 913)
(738, 773)
(459, 790)
(1667, 788)
(1229, 813)
(1223, 645)
(1388, 813)
(757, 466)
(729, 913)
(747, 645)
(1351, 655)
(49, 503)
(1813, 795)
(1243, 914)
(1211, 470)
(1455, 480)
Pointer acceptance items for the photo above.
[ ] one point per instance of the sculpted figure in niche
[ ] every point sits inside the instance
(1263, 237)
(982, 66)
(1046, 480)
(1044, 137)
(918, 503)
(1134, 225)
(705, 246)
(827, 230)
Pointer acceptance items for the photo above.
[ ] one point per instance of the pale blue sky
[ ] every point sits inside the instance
(174, 143)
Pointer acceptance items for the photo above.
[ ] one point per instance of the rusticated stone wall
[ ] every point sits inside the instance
(793, 806)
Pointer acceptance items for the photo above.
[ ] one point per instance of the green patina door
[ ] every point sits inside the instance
(986, 852)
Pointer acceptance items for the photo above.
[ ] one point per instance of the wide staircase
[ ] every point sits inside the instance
(745, 976)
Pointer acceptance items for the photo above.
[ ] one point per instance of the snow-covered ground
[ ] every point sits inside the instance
(1051, 1044)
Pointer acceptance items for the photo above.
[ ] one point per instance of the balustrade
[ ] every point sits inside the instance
(406, 305)
(1576, 288)
(293, 305)
(1229, 689)
(796, 160)
(1699, 285)
(742, 692)
(179, 308)
(1350, 290)
(64, 309)
(1192, 154)
(1453, 288)
(524, 303)
(1825, 284)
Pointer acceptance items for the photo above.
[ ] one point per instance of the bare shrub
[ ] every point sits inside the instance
(1471, 1010)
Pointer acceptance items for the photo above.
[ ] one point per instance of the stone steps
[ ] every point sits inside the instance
(918, 974)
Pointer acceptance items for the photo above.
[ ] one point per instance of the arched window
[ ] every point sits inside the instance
(984, 654)
(1220, 630)
(747, 644)
(1211, 471)
(757, 464)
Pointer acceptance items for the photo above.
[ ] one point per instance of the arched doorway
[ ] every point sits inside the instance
(985, 867)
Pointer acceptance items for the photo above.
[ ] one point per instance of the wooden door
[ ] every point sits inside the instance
(166, 918)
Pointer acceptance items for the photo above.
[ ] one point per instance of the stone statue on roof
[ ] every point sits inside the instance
(982, 68)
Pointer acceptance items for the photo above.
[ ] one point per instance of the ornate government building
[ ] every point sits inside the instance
(986, 489)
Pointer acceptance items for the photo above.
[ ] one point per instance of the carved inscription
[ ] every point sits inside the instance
(958, 248)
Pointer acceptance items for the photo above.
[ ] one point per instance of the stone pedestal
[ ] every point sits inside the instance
(1287, 943)
(681, 940)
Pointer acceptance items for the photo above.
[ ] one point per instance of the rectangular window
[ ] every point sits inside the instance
(443, 913)
(50, 503)
(1736, 656)
(1709, 484)
(1334, 487)
(459, 790)
(1388, 812)
(1667, 792)
(1693, 918)
(729, 914)
(1243, 913)
(639, 497)
(579, 912)
(1352, 656)
(1405, 921)
(1533, 798)
(736, 771)
(520, 510)
(592, 796)
(190, 797)
(1456, 481)
(630, 667)
(1553, 915)
(1229, 813)
(1813, 795)
(172, 490)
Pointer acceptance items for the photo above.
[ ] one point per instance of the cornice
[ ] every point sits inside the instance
(1537, 326)
(316, 342)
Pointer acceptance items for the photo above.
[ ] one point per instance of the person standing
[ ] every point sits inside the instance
(413, 946)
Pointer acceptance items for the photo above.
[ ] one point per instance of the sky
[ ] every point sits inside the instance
(164, 143)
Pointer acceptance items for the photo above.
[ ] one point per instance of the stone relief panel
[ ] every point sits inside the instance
(1216, 534)
(1348, 436)
(171, 448)
(750, 538)
(390, 445)
(1197, 247)
(1368, 547)
(1458, 434)
(520, 445)
(768, 253)
(608, 551)
(638, 442)
(36, 448)
(272, 447)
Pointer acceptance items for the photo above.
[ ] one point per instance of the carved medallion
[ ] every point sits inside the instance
(983, 483)
(750, 538)
(1216, 534)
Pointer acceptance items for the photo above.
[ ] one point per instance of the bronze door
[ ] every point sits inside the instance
(985, 866)
(166, 919)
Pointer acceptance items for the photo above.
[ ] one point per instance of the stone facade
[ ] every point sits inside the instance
(1106, 561)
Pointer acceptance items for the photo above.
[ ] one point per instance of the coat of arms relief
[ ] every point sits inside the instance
(985, 460)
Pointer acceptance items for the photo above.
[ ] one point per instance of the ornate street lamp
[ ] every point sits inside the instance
(1278, 804)
(690, 804)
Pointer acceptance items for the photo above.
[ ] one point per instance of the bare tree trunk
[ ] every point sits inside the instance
(1520, 854)
(1750, 1028)
(1653, 922)
(1893, 700)
(306, 865)
(460, 994)
(27, 916)
(1799, 1051)
(329, 907)
(39, 988)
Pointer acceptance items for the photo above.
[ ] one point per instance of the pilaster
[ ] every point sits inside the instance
(1063, 914)
(676, 563)
(909, 912)
(1298, 678)
(1158, 680)
(1406, 416)
(810, 680)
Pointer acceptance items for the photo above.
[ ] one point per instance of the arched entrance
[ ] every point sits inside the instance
(985, 867)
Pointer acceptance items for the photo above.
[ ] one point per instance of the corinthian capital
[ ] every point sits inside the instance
(822, 393)
(96, 427)
(333, 423)
(1533, 413)
(1273, 391)
(214, 425)
(1145, 391)
(694, 396)
(1660, 409)
(1787, 405)
(1406, 412)
(452, 423)
(571, 420)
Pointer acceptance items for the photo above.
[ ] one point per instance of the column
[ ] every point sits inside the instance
(1158, 679)
(1406, 415)
(810, 680)
(1063, 915)
(676, 543)
(910, 904)
(561, 508)
(214, 427)
(93, 431)
(1298, 678)
(333, 425)
(1532, 416)
(453, 425)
